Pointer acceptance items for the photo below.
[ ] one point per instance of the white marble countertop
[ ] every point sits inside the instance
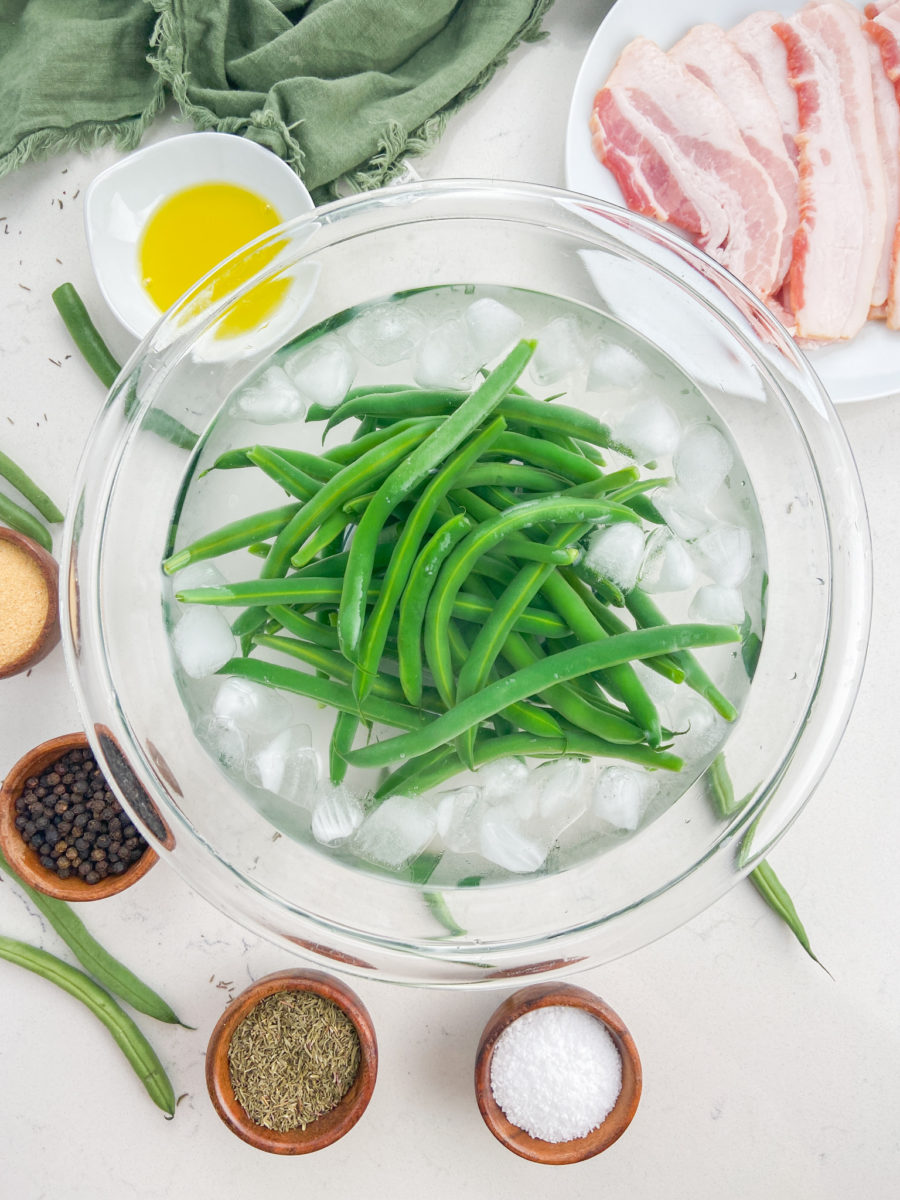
(763, 1077)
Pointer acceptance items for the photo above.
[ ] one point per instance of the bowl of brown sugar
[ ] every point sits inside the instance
(29, 609)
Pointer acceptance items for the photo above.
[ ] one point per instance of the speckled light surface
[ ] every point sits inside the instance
(763, 1077)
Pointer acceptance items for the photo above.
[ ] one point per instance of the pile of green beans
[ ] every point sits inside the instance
(426, 574)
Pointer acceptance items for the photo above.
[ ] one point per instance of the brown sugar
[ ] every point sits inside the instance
(24, 602)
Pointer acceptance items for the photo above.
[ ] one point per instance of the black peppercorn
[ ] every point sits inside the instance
(74, 822)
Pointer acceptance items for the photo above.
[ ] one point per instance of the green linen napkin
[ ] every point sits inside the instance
(340, 89)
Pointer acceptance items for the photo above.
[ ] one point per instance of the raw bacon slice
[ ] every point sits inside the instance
(838, 245)
(765, 52)
(884, 30)
(709, 54)
(887, 129)
(677, 155)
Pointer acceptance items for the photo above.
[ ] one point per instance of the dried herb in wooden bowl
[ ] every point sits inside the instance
(292, 1059)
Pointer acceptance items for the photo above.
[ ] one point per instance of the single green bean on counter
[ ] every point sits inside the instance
(129, 1038)
(108, 971)
(18, 518)
(26, 487)
(94, 350)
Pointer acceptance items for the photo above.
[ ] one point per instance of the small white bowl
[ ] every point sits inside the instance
(119, 201)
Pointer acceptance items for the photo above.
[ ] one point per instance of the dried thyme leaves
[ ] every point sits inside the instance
(292, 1059)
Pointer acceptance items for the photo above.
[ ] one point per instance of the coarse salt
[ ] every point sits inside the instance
(556, 1072)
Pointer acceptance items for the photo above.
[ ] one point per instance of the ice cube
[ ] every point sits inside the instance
(699, 727)
(336, 816)
(717, 605)
(269, 400)
(724, 553)
(386, 333)
(446, 356)
(562, 796)
(620, 797)
(667, 565)
(323, 372)
(702, 460)
(560, 350)
(199, 574)
(224, 740)
(395, 832)
(493, 327)
(684, 516)
(286, 765)
(458, 819)
(613, 366)
(503, 842)
(252, 706)
(203, 642)
(615, 553)
(503, 779)
(649, 429)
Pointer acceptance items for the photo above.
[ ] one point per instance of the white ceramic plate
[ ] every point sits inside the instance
(866, 368)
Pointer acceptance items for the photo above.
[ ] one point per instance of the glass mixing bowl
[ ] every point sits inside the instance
(694, 317)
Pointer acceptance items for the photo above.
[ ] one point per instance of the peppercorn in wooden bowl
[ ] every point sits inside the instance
(92, 829)
(259, 1053)
(565, 1058)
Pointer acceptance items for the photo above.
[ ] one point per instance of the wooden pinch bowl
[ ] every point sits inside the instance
(49, 633)
(541, 995)
(330, 1126)
(25, 860)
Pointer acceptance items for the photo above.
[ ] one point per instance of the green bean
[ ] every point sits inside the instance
(721, 788)
(374, 465)
(409, 402)
(487, 535)
(375, 630)
(648, 616)
(474, 610)
(350, 452)
(295, 589)
(345, 726)
(541, 453)
(775, 895)
(234, 536)
(494, 632)
(316, 465)
(600, 719)
(612, 623)
(512, 475)
(514, 545)
(427, 771)
(334, 565)
(26, 487)
(621, 680)
(16, 517)
(331, 529)
(299, 683)
(556, 668)
(127, 1035)
(84, 334)
(304, 627)
(413, 604)
(406, 475)
(522, 715)
(385, 687)
(108, 971)
(294, 480)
